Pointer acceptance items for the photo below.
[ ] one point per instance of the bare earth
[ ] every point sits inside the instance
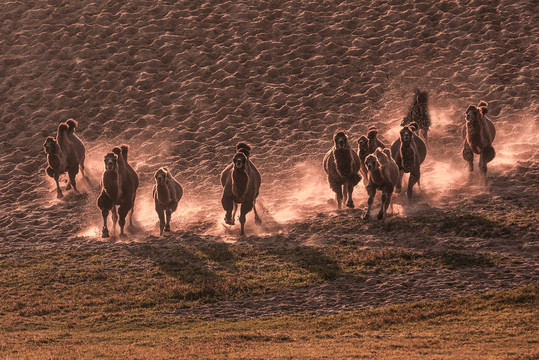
(182, 83)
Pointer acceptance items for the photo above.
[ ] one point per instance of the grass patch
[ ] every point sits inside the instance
(492, 325)
(126, 281)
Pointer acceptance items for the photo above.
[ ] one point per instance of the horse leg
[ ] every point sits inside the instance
(345, 192)
(387, 202)
(350, 202)
(383, 208)
(398, 188)
(483, 167)
(257, 218)
(161, 214)
(372, 192)
(72, 181)
(414, 177)
(114, 219)
(105, 230)
(58, 190)
(487, 155)
(246, 206)
(337, 188)
(167, 224)
(467, 155)
(123, 210)
(82, 168)
(132, 211)
(228, 206)
(105, 204)
(234, 211)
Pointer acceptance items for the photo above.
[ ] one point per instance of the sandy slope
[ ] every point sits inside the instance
(182, 82)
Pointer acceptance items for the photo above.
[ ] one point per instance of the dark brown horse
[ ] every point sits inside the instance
(363, 152)
(341, 164)
(419, 113)
(409, 152)
(167, 192)
(65, 153)
(241, 185)
(383, 175)
(478, 134)
(120, 183)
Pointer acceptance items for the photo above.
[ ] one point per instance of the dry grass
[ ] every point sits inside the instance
(488, 326)
(116, 282)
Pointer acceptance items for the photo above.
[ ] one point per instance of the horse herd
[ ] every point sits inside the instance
(380, 167)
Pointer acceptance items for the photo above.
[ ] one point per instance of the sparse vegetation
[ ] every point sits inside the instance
(85, 285)
(468, 223)
(490, 325)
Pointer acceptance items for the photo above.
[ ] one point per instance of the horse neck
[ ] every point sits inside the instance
(373, 145)
(57, 150)
(343, 161)
(62, 139)
(163, 194)
(363, 154)
(473, 132)
(407, 154)
(122, 166)
(240, 182)
(58, 153)
(112, 184)
(417, 108)
(376, 176)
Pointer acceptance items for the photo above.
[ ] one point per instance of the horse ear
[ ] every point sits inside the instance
(482, 103)
(483, 107)
(470, 108)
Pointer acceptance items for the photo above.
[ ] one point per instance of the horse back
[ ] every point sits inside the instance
(421, 148)
(179, 190)
(329, 162)
(225, 175)
(490, 130)
(77, 146)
